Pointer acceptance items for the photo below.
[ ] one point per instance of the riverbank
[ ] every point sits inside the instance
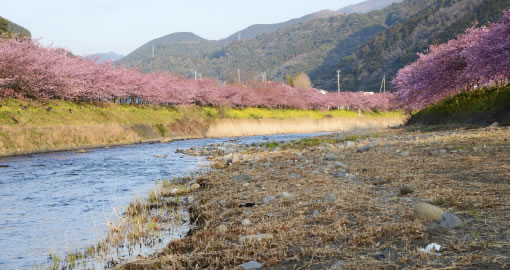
(35, 127)
(365, 199)
(480, 107)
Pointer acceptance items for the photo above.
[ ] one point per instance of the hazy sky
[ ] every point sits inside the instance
(91, 26)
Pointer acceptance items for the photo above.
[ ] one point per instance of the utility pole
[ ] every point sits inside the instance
(153, 48)
(338, 80)
(239, 75)
(195, 75)
(239, 36)
(383, 84)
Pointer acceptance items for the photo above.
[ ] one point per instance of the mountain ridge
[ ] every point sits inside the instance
(104, 57)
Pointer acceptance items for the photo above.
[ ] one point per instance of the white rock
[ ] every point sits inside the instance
(246, 222)
(255, 237)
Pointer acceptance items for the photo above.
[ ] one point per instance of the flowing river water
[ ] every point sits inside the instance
(60, 202)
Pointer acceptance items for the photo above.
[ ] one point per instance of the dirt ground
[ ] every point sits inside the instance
(334, 207)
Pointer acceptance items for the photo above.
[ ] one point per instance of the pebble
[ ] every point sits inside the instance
(315, 213)
(195, 187)
(433, 153)
(241, 179)
(330, 157)
(268, 199)
(256, 237)
(404, 154)
(338, 265)
(451, 221)
(339, 164)
(222, 228)
(367, 147)
(331, 197)
(295, 176)
(350, 144)
(381, 181)
(236, 157)
(406, 190)
(350, 177)
(246, 222)
(286, 195)
(425, 211)
(222, 203)
(251, 265)
(388, 253)
(339, 174)
(159, 156)
(82, 151)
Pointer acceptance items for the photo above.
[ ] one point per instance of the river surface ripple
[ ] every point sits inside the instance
(60, 202)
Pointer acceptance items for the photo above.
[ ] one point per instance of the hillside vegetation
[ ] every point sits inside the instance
(262, 47)
(477, 107)
(7, 26)
(397, 46)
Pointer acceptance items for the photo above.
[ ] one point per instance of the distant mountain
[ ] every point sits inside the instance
(103, 57)
(298, 45)
(8, 26)
(367, 6)
(255, 30)
(180, 53)
(365, 47)
(183, 53)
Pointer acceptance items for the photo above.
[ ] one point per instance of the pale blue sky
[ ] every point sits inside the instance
(91, 26)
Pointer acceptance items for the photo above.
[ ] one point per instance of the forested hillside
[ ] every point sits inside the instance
(184, 53)
(367, 6)
(365, 47)
(8, 26)
(396, 47)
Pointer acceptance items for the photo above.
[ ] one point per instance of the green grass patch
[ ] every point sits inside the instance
(264, 113)
(59, 112)
(479, 106)
(310, 142)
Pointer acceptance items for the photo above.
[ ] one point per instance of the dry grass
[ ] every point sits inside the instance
(22, 140)
(249, 127)
(361, 219)
(16, 140)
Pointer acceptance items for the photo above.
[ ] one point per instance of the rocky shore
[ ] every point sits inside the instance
(378, 199)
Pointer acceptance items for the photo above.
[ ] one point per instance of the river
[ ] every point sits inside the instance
(60, 202)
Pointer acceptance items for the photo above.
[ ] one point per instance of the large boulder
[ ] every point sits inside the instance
(425, 211)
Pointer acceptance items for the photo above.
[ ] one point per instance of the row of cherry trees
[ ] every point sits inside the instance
(479, 57)
(29, 70)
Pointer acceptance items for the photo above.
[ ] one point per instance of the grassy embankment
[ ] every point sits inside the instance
(477, 107)
(28, 126)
